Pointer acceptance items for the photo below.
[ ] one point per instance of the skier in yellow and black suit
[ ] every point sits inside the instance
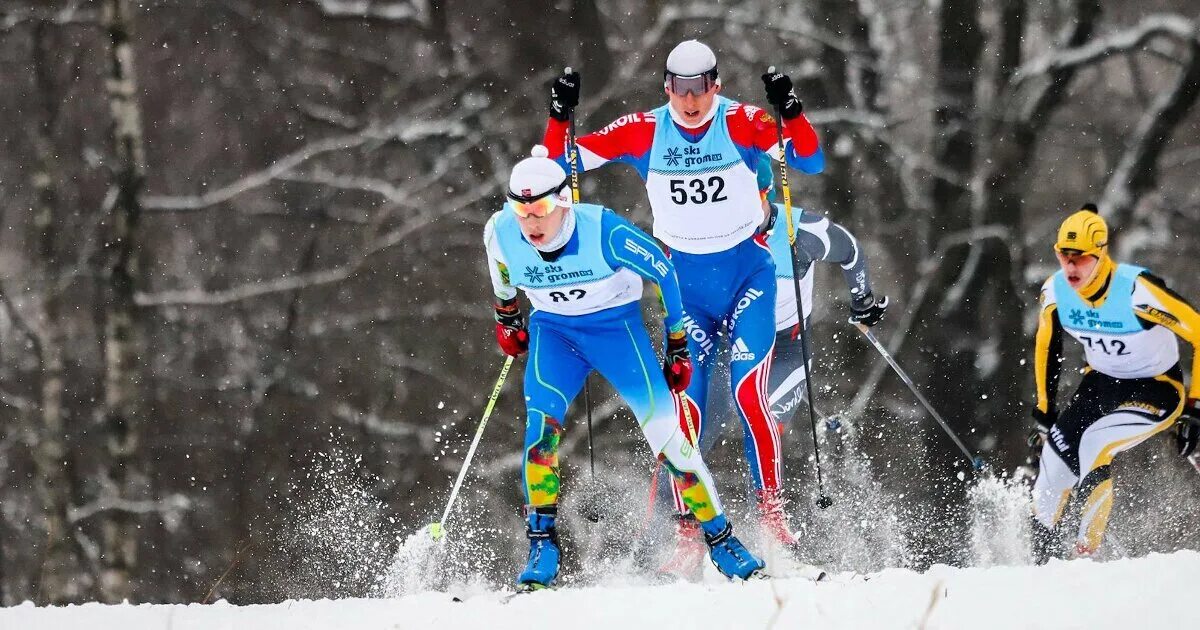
(1126, 319)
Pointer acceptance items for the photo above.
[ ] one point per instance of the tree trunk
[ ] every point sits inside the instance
(60, 580)
(950, 332)
(121, 382)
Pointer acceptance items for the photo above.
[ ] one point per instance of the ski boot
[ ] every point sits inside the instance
(728, 553)
(687, 562)
(542, 567)
(774, 520)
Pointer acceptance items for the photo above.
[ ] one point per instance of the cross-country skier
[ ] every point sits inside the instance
(697, 155)
(817, 239)
(581, 266)
(1126, 319)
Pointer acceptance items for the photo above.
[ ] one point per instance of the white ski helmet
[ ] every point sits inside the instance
(537, 176)
(691, 58)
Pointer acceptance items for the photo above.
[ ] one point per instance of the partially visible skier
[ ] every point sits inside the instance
(1127, 320)
(581, 266)
(817, 239)
(697, 155)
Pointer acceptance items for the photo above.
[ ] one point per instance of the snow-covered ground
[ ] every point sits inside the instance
(1157, 591)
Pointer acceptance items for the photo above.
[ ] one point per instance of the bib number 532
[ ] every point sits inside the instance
(698, 190)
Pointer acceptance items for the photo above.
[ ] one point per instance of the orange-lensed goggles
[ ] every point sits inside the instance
(540, 208)
(529, 206)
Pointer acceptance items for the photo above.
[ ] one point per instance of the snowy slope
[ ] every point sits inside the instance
(1152, 592)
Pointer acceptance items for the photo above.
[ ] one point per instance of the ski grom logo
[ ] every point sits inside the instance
(551, 274)
(690, 156)
(534, 275)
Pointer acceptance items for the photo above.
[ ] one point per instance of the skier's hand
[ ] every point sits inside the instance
(1045, 420)
(510, 328)
(781, 94)
(564, 95)
(1188, 432)
(867, 310)
(677, 366)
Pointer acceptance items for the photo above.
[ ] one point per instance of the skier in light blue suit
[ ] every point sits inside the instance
(582, 266)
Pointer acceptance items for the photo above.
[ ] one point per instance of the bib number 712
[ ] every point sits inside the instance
(697, 190)
(1112, 346)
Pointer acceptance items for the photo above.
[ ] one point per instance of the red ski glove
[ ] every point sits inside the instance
(677, 366)
(510, 328)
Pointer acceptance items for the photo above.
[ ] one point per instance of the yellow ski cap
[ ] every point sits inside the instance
(1084, 232)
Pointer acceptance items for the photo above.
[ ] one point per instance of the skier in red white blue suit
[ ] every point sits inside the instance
(697, 155)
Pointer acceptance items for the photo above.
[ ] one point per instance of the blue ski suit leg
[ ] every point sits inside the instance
(737, 287)
(563, 350)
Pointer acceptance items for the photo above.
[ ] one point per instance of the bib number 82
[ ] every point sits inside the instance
(698, 190)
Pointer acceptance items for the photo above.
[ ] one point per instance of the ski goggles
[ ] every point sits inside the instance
(698, 85)
(538, 207)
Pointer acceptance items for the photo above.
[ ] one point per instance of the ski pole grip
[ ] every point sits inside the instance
(771, 70)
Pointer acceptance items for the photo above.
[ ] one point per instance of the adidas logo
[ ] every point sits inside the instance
(741, 352)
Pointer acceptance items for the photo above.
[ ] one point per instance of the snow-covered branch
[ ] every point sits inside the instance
(200, 297)
(1137, 170)
(1100, 49)
(170, 508)
(68, 15)
(404, 131)
(402, 12)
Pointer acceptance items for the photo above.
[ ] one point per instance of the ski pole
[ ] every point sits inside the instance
(587, 383)
(574, 149)
(593, 516)
(976, 461)
(437, 530)
(587, 404)
(823, 500)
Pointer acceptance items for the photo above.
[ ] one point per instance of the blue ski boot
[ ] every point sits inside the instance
(542, 567)
(728, 553)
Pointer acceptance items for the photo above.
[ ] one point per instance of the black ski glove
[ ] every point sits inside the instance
(781, 94)
(867, 310)
(564, 96)
(1188, 431)
(1044, 419)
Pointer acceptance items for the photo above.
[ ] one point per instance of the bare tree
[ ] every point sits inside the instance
(123, 406)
